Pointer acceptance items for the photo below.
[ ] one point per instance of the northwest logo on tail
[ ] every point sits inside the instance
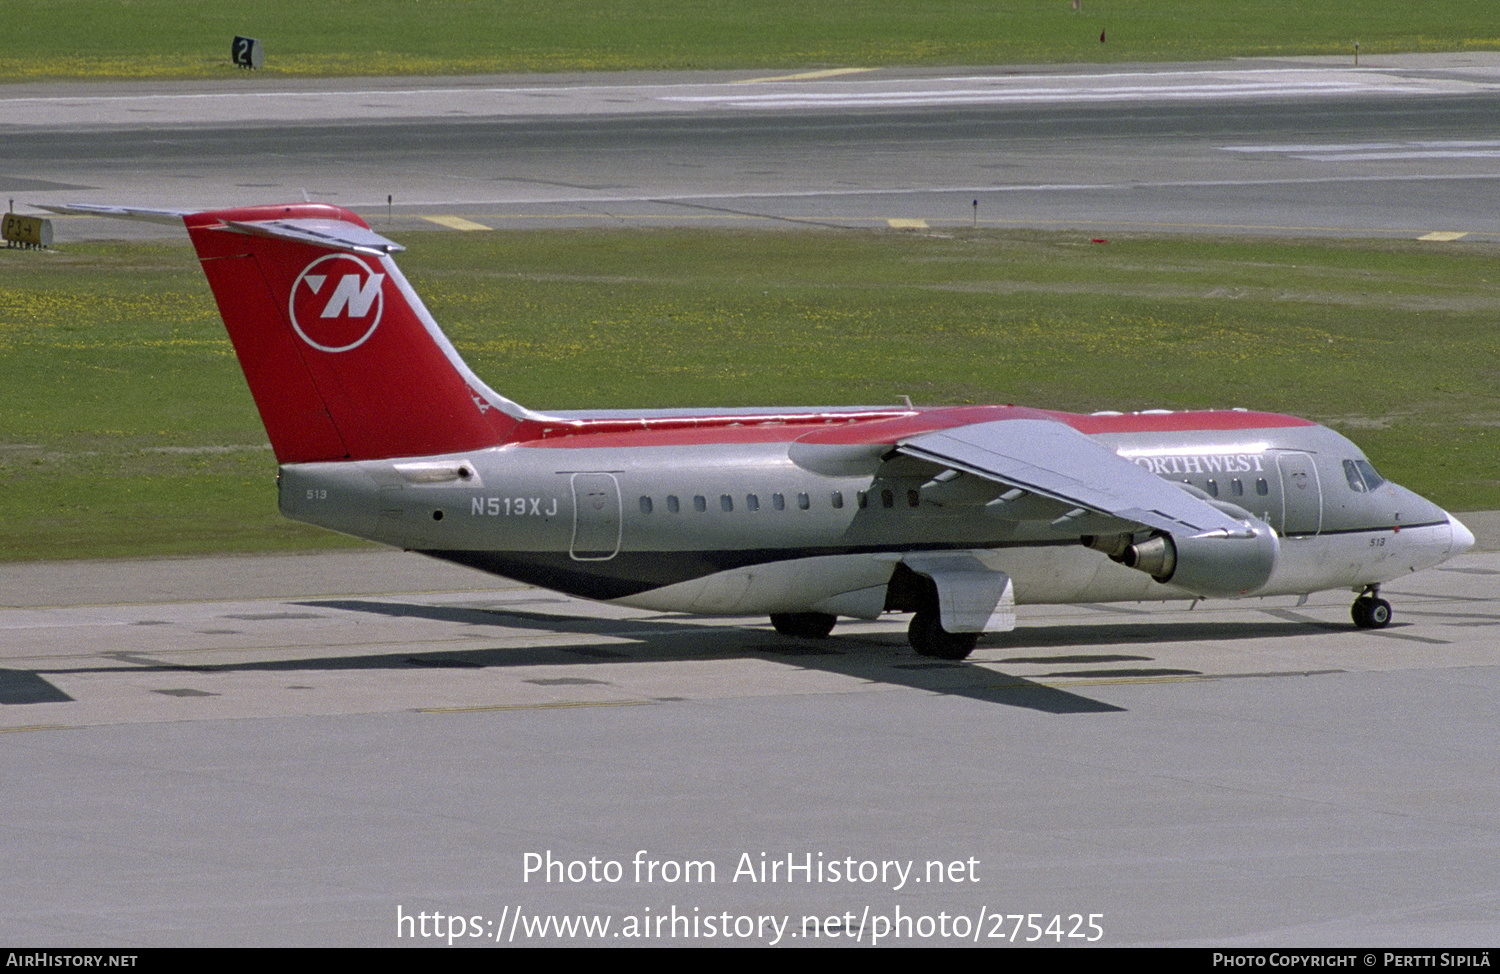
(336, 303)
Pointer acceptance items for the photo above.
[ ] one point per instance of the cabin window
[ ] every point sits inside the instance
(1213, 487)
(887, 497)
(672, 505)
(752, 502)
(838, 499)
(1261, 487)
(726, 503)
(645, 505)
(700, 503)
(778, 501)
(913, 497)
(863, 499)
(1237, 487)
(803, 502)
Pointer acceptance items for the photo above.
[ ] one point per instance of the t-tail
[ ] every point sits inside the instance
(343, 359)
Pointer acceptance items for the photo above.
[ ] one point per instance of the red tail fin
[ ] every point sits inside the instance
(342, 358)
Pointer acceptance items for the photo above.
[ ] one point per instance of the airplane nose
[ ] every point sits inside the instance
(1463, 538)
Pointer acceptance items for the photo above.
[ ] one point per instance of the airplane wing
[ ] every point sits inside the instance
(1055, 461)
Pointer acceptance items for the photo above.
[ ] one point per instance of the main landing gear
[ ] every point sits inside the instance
(1370, 611)
(926, 632)
(806, 625)
(929, 638)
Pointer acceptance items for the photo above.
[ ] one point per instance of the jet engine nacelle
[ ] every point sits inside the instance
(1212, 565)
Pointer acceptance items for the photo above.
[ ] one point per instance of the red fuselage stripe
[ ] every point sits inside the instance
(869, 428)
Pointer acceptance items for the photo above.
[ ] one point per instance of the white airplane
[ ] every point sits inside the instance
(956, 514)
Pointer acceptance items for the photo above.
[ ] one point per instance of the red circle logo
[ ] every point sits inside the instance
(336, 302)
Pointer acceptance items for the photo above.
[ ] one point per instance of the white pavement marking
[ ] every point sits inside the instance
(169, 103)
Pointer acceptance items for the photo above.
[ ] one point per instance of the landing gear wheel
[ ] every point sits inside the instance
(1371, 613)
(929, 638)
(805, 625)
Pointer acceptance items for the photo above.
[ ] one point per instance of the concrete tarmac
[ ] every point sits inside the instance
(351, 748)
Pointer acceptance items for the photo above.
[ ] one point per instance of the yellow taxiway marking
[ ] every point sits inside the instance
(806, 75)
(455, 223)
(897, 223)
(1441, 236)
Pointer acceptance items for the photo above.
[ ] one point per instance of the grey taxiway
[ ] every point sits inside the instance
(1400, 146)
(319, 749)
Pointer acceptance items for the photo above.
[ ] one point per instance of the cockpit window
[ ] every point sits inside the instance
(1372, 479)
(1361, 475)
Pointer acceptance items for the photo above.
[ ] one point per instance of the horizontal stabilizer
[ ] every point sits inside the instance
(146, 214)
(333, 234)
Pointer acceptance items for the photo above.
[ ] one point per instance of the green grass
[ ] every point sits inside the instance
(188, 39)
(126, 428)
(119, 394)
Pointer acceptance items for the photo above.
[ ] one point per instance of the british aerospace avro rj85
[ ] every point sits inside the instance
(955, 514)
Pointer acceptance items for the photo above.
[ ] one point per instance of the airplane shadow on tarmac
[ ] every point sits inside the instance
(874, 657)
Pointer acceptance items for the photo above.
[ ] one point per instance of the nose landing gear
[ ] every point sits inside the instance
(1370, 611)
